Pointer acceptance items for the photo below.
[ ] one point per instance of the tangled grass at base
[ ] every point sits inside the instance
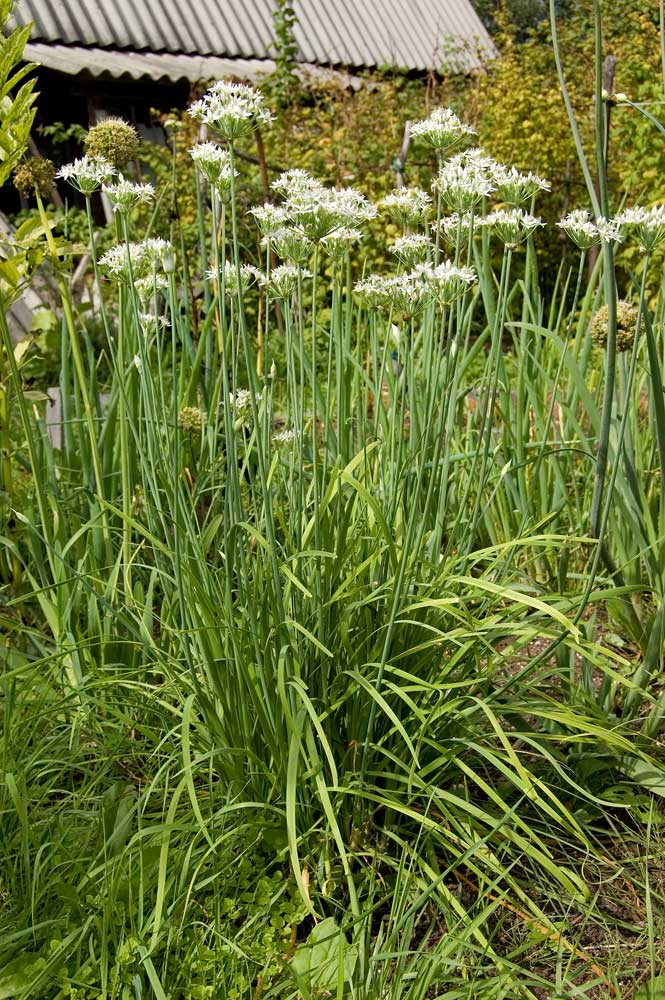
(336, 636)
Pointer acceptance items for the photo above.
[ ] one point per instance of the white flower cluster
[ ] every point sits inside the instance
(516, 188)
(290, 244)
(283, 280)
(241, 400)
(463, 182)
(140, 261)
(511, 225)
(152, 324)
(412, 249)
(232, 109)
(579, 228)
(285, 437)
(236, 284)
(215, 165)
(408, 293)
(443, 130)
(270, 218)
(586, 233)
(648, 225)
(409, 206)
(87, 174)
(311, 213)
(454, 227)
(446, 281)
(125, 195)
(338, 242)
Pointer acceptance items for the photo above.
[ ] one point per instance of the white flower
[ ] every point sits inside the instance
(269, 218)
(283, 280)
(290, 243)
(241, 401)
(125, 195)
(512, 225)
(453, 226)
(443, 130)
(463, 184)
(314, 209)
(232, 286)
(215, 165)
(478, 158)
(609, 230)
(318, 212)
(446, 281)
(149, 286)
(141, 259)
(340, 240)
(285, 437)
(516, 188)
(294, 182)
(411, 249)
(408, 206)
(648, 225)
(87, 174)
(579, 228)
(406, 293)
(232, 109)
(151, 324)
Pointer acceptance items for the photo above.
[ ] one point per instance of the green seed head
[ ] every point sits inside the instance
(190, 419)
(35, 174)
(113, 139)
(626, 323)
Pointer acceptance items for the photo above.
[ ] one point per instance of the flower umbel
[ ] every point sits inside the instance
(443, 130)
(283, 280)
(512, 226)
(215, 165)
(409, 206)
(125, 195)
(35, 174)
(626, 325)
(139, 260)
(411, 249)
(232, 109)
(88, 173)
(516, 188)
(579, 228)
(648, 225)
(114, 140)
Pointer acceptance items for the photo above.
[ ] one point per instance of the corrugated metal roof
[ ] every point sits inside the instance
(74, 59)
(413, 34)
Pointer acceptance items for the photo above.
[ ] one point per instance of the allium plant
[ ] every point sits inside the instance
(323, 519)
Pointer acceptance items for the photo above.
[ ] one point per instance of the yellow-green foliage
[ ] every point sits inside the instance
(520, 113)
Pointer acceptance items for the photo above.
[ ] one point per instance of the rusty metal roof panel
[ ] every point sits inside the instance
(410, 34)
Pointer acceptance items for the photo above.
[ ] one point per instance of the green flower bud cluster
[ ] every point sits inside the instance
(35, 175)
(114, 140)
(626, 325)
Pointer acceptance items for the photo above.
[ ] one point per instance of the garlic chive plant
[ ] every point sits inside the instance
(320, 516)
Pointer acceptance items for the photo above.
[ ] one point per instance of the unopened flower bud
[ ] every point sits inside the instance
(35, 175)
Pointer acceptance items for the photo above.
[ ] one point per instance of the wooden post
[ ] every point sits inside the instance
(400, 159)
